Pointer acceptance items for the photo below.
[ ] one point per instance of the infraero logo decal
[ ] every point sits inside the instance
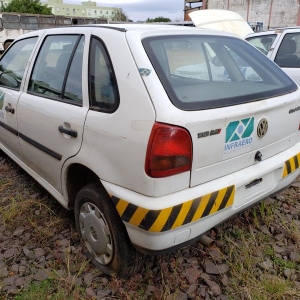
(239, 135)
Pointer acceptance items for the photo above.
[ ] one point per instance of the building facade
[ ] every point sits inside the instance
(85, 9)
(88, 9)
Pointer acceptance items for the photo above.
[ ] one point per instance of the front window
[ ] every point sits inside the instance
(203, 72)
(14, 61)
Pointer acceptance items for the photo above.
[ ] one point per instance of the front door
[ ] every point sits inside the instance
(12, 68)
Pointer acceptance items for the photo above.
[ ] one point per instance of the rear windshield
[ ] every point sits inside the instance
(203, 72)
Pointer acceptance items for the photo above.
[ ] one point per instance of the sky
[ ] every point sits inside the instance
(140, 10)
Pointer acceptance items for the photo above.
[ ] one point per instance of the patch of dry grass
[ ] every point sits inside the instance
(256, 271)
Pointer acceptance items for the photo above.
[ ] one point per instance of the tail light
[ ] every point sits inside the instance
(169, 151)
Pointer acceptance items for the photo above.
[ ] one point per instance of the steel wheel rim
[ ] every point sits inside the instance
(96, 233)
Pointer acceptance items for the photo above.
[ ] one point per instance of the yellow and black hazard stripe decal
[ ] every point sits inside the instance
(178, 215)
(291, 165)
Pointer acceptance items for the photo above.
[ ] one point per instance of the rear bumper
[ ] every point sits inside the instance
(172, 221)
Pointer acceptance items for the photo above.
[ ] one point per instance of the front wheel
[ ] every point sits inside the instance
(104, 234)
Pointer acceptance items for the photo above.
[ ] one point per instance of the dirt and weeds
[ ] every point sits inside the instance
(257, 253)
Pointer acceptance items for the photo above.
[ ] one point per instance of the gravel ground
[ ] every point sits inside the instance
(38, 241)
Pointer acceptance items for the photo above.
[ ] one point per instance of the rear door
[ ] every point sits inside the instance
(12, 69)
(286, 53)
(52, 112)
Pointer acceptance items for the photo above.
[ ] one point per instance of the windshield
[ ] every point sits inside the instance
(202, 72)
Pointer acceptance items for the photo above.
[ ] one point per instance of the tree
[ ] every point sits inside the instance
(158, 19)
(27, 6)
(119, 15)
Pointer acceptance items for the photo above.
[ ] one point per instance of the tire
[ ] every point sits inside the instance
(104, 234)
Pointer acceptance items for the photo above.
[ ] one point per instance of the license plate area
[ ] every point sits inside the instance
(253, 189)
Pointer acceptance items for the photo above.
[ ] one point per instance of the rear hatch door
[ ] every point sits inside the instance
(232, 99)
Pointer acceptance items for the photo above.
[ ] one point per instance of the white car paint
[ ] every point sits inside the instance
(114, 145)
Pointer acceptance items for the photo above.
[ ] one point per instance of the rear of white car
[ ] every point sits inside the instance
(217, 146)
(153, 134)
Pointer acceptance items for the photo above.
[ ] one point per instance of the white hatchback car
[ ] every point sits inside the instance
(150, 157)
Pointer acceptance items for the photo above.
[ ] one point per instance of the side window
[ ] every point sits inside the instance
(14, 61)
(57, 72)
(289, 51)
(262, 43)
(29, 22)
(103, 89)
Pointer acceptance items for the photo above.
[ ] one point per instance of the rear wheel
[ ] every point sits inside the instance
(104, 234)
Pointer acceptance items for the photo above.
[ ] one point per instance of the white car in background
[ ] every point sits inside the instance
(282, 46)
(149, 158)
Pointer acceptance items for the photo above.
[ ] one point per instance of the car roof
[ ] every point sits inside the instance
(136, 28)
(151, 27)
(272, 31)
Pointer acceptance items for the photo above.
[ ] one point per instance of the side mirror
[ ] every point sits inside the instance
(7, 80)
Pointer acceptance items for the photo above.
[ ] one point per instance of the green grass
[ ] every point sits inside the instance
(51, 289)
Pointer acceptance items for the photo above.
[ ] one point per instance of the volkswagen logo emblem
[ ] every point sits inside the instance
(262, 128)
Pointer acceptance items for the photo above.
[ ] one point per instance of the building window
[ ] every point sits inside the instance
(74, 11)
(107, 12)
(57, 9)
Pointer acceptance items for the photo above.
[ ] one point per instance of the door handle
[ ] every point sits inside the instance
(10, 109)
(70, 132)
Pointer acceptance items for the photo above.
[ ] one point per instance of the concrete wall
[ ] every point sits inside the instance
(259, 11)
(283, 12)
(239, 6)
